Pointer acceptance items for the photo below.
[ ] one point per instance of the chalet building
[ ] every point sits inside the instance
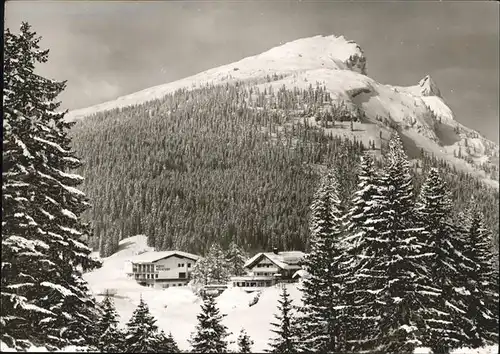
(269, 268)
(163, 269)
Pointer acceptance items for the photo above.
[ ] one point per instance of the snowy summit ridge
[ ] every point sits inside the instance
(317, 52)
(428, 87)
(418, 112)
(306, 54)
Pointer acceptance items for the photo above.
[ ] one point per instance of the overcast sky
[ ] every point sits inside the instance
(108, 49)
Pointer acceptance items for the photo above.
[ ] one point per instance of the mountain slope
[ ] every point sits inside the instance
(419, 111)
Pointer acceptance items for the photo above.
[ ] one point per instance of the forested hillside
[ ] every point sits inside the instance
(227, 162)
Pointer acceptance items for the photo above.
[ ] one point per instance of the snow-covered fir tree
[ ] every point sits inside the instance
(166, 344)
(397, 277)
(489, 283)
(44, 298)
(365, 247)
(323, 310)
(210, 335)
(235, 259)
(141, 332)
(444, 312)
(212, 269)
(404, 263)
(285, 329)
(244, 342)
(361, 216)
(109, 338)
(481, 286)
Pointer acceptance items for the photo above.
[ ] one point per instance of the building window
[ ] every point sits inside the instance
(189, 265)
(182, 275)
(180, 265)
(156, 276)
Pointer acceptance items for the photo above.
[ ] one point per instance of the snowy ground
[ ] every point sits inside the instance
(492, 349)
(176, 308)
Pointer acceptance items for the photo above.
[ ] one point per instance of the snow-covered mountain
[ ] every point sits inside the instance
(420, 112)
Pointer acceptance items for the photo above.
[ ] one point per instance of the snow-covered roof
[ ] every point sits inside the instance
(301, 273)
(150, 257)
(284, 260)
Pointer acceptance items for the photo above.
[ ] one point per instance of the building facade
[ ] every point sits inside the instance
(269, 268)
(163, 269)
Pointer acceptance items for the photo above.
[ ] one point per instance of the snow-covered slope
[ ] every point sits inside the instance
(331, 53)
(176, 308)
(114, 274)
(419, 111)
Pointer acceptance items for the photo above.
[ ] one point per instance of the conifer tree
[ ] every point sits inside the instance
(365, 248)
(482, 323)
(400, 317)
(244, 342)
(361, 218)
(444, 312)
(212, 269)
(322, 313)
(109, 338)
(210, 332)
(166, 344)
(45, 301)
(141, 332)
(399, 303)
(286, 340)
(236, 259)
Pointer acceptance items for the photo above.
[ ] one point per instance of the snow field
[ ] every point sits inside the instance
(175, 309)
